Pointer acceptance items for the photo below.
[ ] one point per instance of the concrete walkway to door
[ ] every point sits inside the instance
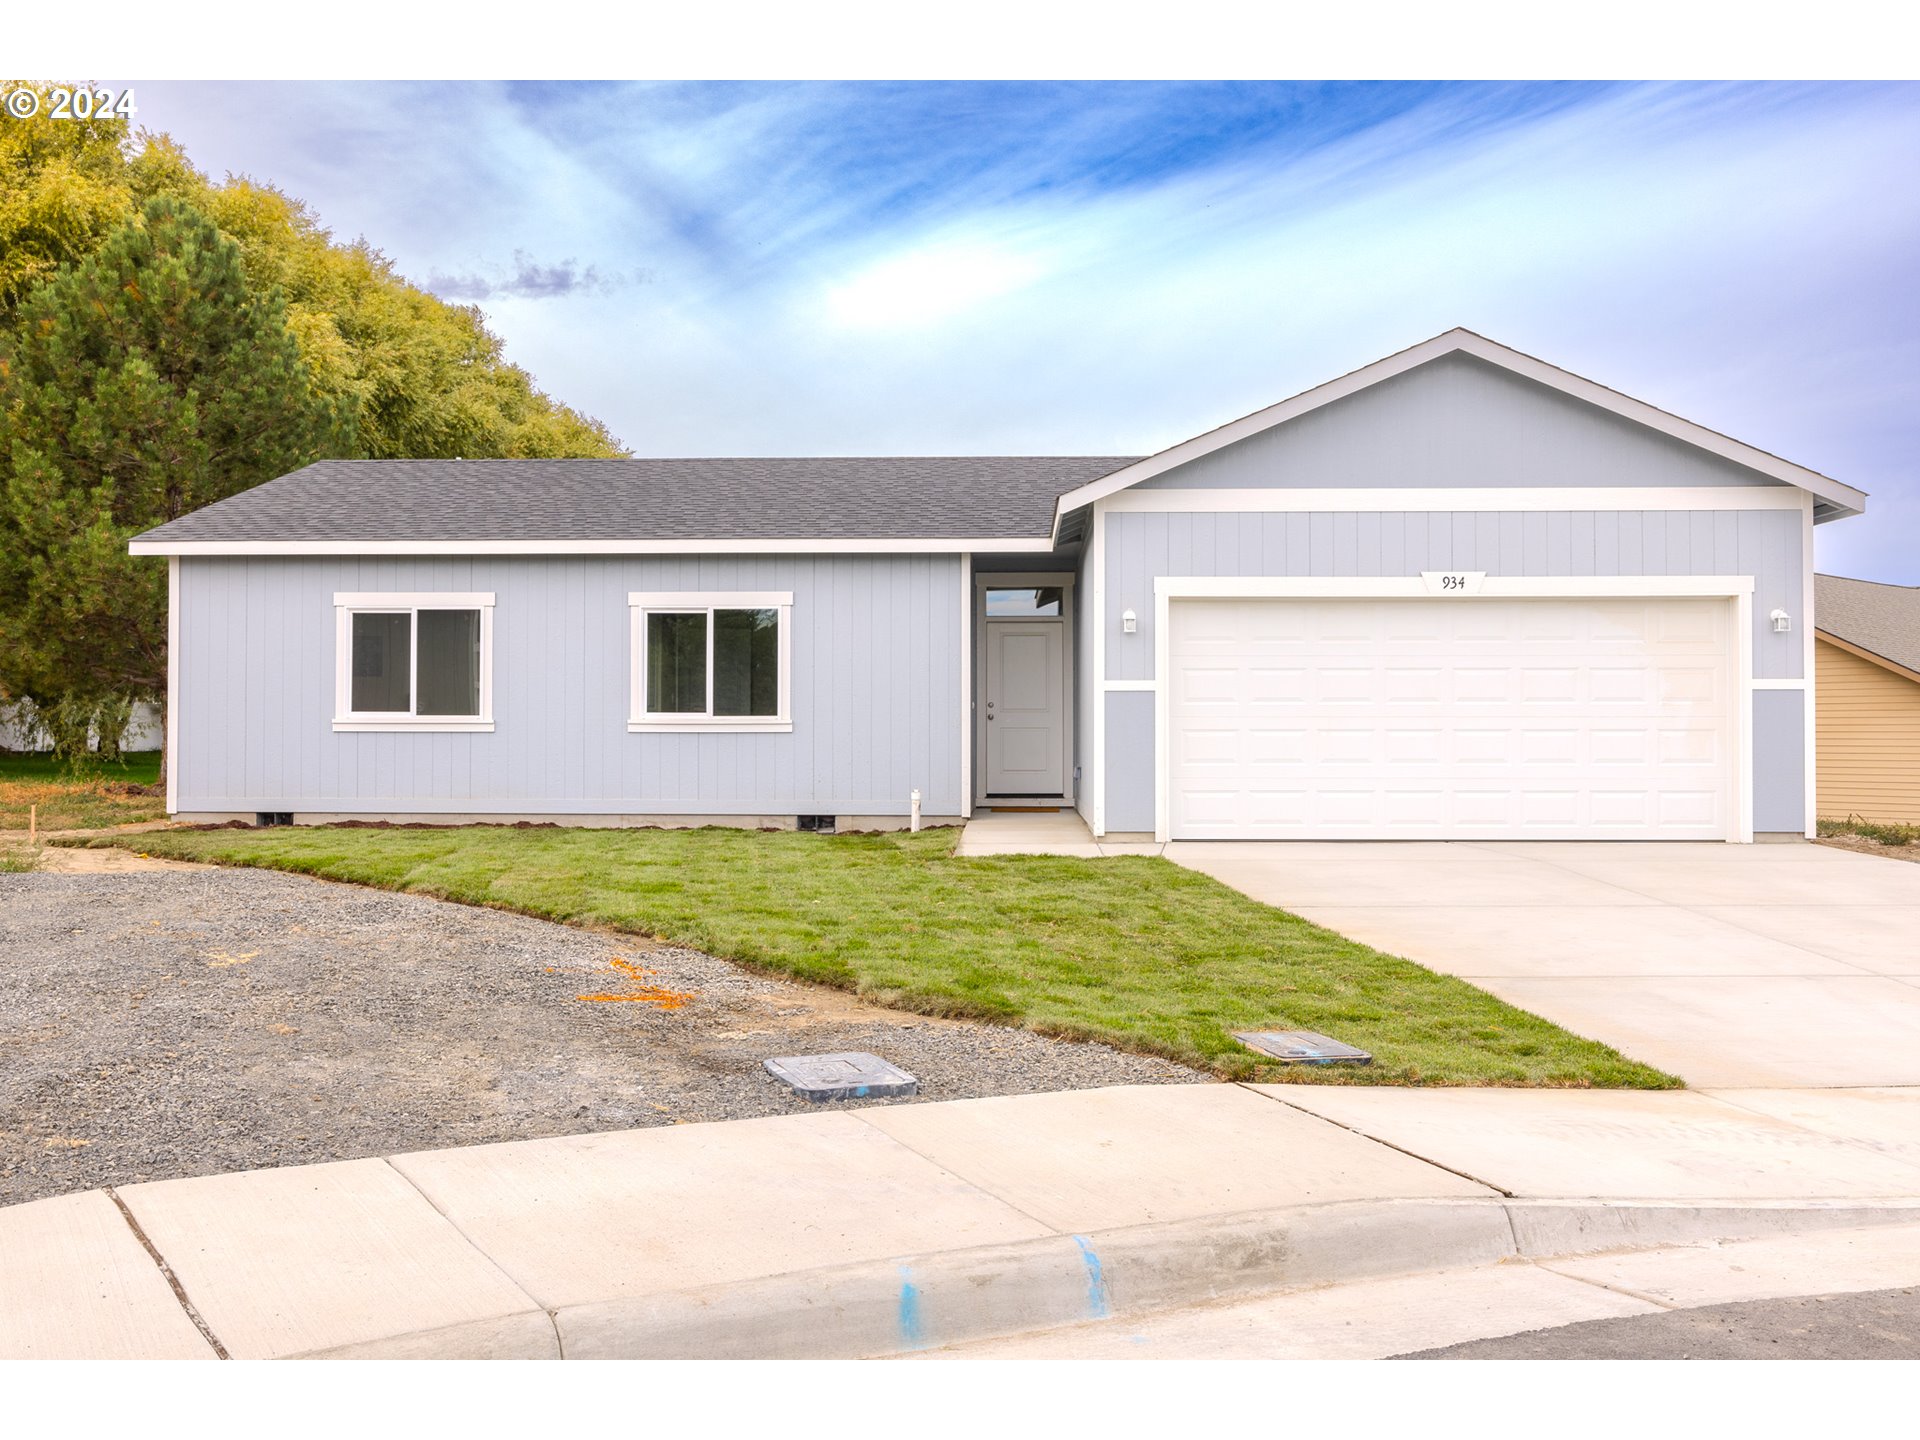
(1037, 831)
(1773, 965)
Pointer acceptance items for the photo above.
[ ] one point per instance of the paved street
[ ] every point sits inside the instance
(1875, 1325)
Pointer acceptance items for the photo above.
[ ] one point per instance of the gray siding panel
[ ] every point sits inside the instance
(1765, 544)
(875, 691)
(1130, 797)
(1779, 761)
(1457, 422)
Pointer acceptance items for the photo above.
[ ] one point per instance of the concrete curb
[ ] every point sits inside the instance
(921, 1302)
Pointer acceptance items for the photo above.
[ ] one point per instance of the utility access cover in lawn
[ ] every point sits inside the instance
(195, 1021)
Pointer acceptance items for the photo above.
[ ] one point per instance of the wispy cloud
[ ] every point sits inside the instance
(527, 279)
(892, 268)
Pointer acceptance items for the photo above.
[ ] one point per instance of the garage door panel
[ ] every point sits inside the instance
(1698, 684)
(1555, 749)
(1549, 685)
(1619, 747)
(1539, 718)
(1700, 747)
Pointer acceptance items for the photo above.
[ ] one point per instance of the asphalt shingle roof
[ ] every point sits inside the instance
(915, 497)
(1883, 619)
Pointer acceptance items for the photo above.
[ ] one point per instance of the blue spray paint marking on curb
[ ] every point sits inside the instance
(1099, 1304)
(911, 1334)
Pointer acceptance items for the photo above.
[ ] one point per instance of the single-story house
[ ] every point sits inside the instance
(1867, 669)
(1457, 593)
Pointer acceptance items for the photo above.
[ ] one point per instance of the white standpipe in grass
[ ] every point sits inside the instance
(914, 806)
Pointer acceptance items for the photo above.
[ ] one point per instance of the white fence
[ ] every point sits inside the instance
(144, 733)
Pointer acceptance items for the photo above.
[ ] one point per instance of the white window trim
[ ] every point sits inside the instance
(640, 604)
(347, 720)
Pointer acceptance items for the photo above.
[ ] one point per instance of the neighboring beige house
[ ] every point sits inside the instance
(1867, 689)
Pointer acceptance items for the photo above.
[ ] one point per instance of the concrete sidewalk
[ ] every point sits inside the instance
(887, 1230)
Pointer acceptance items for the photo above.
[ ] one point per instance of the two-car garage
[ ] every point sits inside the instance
(1451, 716)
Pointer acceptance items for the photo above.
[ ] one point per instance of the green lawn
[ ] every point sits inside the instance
(78, 802)
(1137, 952)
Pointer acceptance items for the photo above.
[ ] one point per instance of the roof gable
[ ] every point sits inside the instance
(1832, 498)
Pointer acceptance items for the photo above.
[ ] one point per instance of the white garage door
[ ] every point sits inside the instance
(1451, 718)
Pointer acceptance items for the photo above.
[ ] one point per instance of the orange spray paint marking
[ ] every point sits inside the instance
(642, 994)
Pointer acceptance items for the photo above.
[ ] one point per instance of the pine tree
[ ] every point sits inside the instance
(142, 383)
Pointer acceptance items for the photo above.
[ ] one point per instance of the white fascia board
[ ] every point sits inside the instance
(1843, 497)
(1481, 498)
(1493, 587)
(910, 546)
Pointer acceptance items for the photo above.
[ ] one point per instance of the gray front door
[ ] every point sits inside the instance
(1024, 716)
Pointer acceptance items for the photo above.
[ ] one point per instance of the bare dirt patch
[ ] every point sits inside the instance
(1860, 845)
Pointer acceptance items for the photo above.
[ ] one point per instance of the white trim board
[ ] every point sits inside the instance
(1841, 497)
(1809, 712)
(414, 599)
(170, 738)
(1493, 587)
(1026, 544)
(709, 599)
(1097, 632)
(1508, 498)
(983, 581)
(1736, 588)
(966, 687)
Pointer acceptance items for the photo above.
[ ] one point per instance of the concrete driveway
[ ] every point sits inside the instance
(1728, 965)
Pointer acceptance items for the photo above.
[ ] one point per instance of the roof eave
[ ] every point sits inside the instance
(791, 545)
(1834, 500)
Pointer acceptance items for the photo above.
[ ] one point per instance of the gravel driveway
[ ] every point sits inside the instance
(187, 1021)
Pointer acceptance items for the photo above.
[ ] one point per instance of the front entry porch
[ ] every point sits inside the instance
(1060, 832)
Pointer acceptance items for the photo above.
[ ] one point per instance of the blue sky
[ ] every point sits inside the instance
(769, 269)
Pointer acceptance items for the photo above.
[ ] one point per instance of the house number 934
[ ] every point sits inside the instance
(1453, 582)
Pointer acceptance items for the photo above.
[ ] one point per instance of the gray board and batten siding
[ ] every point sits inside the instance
(1456, 423)
(876, 704)
(1765, 544)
